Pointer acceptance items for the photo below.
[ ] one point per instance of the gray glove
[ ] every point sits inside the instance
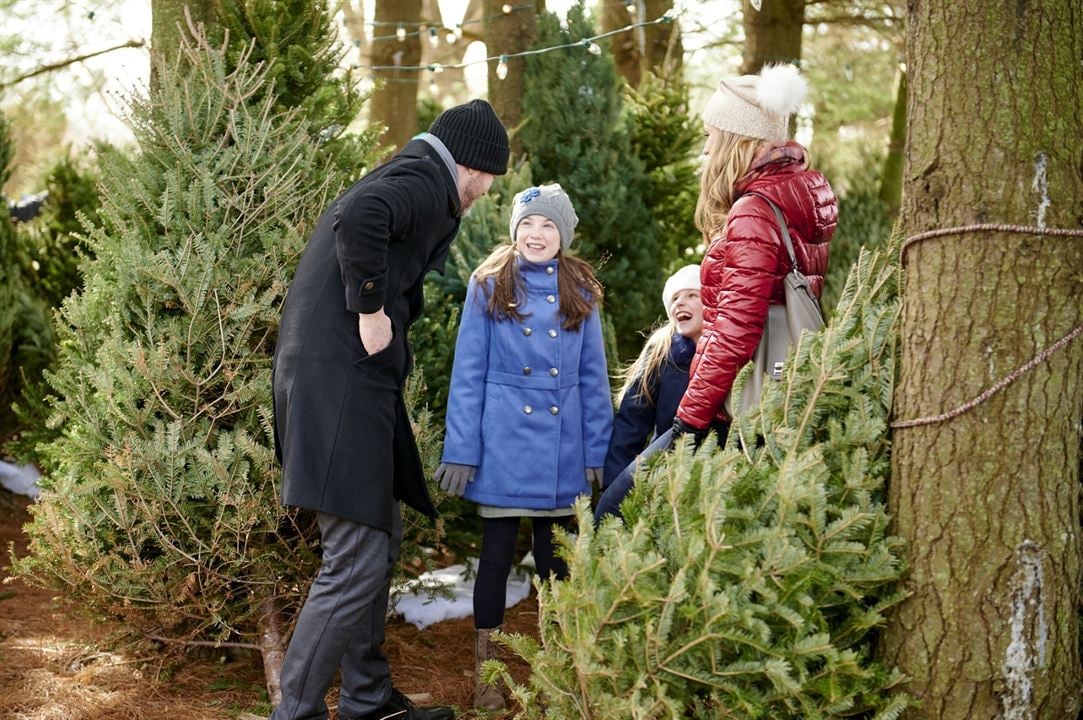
(594, 477)
(453, 478)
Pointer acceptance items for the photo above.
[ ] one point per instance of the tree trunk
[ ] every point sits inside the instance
(506, 34)
(394, 105)
(272, 646)
(169, 23)
(891, 181)
(988, 502)
(656, 49)
(772, 33)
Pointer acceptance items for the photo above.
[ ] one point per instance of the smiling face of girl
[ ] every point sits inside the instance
(537, 238)
(687, 312)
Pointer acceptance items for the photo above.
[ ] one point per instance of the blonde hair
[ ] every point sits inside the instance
(640, 375)
(729, 160)
(579, 291)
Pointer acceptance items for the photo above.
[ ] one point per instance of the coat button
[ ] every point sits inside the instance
(554, 372)
(551, 299)
(554, 410)
(527, 409)
(552, 333)
(527, 332)
(549, 270)
(369, 285)
(527, 371)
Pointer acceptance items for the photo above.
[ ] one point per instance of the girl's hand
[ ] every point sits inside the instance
(454, 478)
(594, 477)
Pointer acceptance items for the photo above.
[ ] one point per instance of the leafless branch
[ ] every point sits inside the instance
(70, 61)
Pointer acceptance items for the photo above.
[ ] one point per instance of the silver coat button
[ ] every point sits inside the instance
(552, 333)
(554, 410)
(554, 372)
(549, 270)
(527, 409)
(527, 370)
(551, 299)
(527, 332)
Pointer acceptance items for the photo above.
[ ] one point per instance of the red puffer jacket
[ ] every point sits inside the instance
(743, 271)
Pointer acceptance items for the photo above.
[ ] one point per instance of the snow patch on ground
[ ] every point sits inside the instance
(418, 605)
(20, 479)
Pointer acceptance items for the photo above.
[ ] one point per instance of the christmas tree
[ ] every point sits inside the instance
(745, 581)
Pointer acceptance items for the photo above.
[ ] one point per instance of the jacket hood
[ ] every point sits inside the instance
(780, 172)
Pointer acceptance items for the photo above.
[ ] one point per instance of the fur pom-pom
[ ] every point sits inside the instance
(781, 89)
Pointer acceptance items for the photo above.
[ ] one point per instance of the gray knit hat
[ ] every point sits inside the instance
(474, 136)
(549, 201)
(757, 106)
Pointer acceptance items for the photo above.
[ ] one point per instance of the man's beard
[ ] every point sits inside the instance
(470, 193)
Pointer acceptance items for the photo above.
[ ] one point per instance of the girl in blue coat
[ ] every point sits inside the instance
(655, 383)
(529, 411)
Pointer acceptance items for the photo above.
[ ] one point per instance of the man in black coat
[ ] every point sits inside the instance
(341, 429)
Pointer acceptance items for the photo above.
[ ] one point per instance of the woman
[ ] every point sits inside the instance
(749, 164)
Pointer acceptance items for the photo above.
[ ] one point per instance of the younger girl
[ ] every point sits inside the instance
(529, 413)
(655, 382)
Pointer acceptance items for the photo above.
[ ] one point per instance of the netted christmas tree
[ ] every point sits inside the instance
(747, 581)
(161, 506)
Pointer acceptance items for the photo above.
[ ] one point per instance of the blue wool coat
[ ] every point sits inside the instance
(529, 402)
(638, 421)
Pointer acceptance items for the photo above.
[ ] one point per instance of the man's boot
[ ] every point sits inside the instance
(486, 697)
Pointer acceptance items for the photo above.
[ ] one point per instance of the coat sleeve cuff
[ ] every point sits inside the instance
(366, 295)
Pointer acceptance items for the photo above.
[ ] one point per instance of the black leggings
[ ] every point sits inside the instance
(497, 552)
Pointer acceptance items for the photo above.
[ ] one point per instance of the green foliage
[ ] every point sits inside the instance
(296, 40)
(26, 336)
(745, 582)
(864, 222)
(578, 136)
(56, 247)
(161, 503)
(666, 138)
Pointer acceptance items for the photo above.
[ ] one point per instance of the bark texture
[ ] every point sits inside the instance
(772, 33)
(989, 501)
(506, 34)
(655, 49)
(394, 105)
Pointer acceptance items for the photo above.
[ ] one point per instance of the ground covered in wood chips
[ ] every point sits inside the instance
(57, 664)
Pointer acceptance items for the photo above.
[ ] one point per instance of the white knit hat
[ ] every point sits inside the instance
(757, 106)
(687, 278)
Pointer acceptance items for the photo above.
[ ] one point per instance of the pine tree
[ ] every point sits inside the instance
(744, 582)
(162, 506)
(26, 337)
(577, 135)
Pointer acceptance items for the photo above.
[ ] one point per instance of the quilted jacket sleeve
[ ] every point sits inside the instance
(745, 266)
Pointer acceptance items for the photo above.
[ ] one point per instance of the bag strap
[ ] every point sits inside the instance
(783, 228)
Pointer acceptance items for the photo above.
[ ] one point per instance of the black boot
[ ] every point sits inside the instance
(400, 707)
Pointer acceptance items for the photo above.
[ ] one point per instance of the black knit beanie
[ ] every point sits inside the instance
(474, 136)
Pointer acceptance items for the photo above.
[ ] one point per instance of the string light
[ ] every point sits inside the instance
(433, 38)
(400, 34)
(586, 43)
(433, 87)
(506, 9)
(451, 38)
(630, 6)
(502, 67)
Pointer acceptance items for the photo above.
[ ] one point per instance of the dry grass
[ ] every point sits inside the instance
(56, 664)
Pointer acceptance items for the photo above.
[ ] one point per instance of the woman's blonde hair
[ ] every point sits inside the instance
(579, 291)
(729, 160)
(638, 377)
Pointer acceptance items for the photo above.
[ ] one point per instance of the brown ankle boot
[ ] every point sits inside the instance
(486, 697)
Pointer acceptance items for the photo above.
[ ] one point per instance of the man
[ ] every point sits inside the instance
(341, 430)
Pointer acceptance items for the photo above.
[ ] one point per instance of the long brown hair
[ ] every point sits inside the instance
(730, 159)
(577, 288)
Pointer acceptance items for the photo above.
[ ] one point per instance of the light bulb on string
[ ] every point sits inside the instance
(433, 37)
(592, 48)
(630, 6)
(433, 87)
(506, 9)
(436, 68)
(458, 32)
(450, 37)
(400, 33)
(502, 67)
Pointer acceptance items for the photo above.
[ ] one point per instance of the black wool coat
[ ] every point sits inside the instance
(341, 429)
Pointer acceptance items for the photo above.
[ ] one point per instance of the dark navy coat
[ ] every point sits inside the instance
(637, 421)
(341, 429)
(529, 404)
